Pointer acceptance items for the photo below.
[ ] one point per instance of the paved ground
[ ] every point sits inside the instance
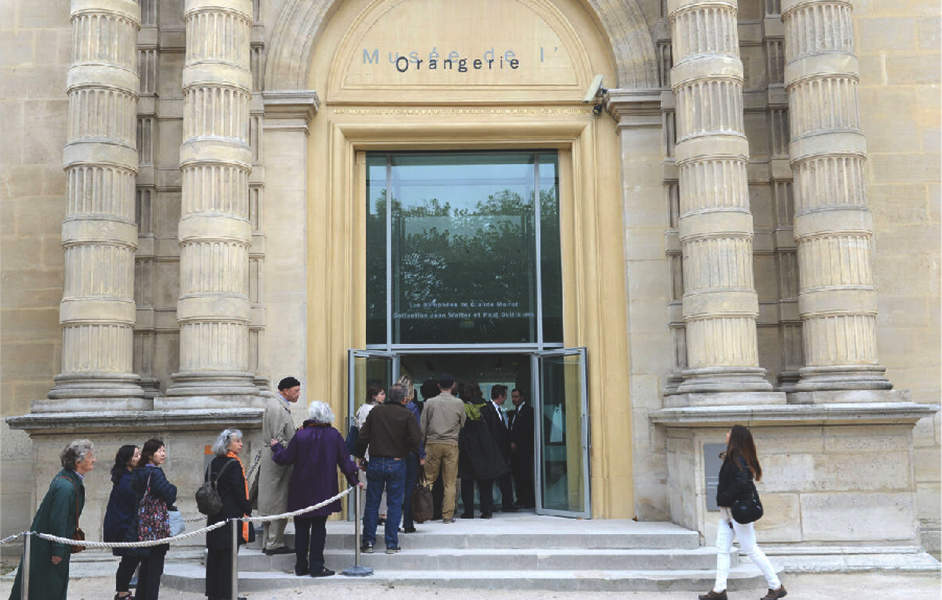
(800, 587)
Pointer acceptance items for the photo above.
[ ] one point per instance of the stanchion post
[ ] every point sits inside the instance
(356, 570)
(24, 576)
(235, 558)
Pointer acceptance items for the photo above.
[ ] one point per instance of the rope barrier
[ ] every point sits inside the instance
(7, 540)
(182, 536)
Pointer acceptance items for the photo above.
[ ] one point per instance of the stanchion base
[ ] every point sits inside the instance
(357, 572)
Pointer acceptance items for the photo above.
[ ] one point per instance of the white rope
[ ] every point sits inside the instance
(188, 534)
(7, 540)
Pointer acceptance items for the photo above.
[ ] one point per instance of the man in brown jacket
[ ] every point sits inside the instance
(391, 434)
(442, 419)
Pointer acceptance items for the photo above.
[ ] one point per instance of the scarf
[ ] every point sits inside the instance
(245, 524)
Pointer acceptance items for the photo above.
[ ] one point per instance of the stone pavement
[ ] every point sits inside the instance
(804, 587)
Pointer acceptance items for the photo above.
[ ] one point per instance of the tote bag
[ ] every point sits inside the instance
(153, 520)
(421, 500)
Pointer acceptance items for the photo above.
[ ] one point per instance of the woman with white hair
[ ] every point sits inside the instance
(316, 451)
(229, 473)
(57, 515)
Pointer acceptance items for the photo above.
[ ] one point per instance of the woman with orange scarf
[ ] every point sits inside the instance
(234, 491)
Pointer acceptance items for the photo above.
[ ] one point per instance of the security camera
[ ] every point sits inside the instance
(595, 90)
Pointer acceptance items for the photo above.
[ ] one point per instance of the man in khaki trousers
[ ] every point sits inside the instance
(442, 419)
(273, 478)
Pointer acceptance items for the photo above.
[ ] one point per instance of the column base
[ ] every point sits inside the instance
(787, 380)
(204, 390)
(724, 379)
(724, 399)
(845, 377)
(849, 396)
(94, 391)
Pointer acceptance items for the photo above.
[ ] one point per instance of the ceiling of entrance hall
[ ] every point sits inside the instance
(461, 50)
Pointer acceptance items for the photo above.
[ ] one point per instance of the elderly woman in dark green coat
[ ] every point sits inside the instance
(57, 515)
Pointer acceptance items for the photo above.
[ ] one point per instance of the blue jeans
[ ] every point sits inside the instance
(412, 473)
(388, 474)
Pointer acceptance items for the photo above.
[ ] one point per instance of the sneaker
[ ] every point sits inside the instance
(775, 594)
(393, 549)
(449, 520)
(713, 595)
(366, 548)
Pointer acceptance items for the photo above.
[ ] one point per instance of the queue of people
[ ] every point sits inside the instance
(398, 436)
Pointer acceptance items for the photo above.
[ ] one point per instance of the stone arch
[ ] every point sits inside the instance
(302, 21)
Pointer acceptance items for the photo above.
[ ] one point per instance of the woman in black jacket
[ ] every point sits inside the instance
(148, 477)
(232, 488)
(740, 467)
(122, 504)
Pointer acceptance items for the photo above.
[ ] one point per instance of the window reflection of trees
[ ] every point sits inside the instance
(463, 275)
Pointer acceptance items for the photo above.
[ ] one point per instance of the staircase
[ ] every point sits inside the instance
(510, 551)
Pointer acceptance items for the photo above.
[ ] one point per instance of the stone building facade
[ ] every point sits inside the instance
(749, 216)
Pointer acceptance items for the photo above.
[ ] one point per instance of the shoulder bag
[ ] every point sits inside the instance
(421, 500)
(153, 519)
(748, 508)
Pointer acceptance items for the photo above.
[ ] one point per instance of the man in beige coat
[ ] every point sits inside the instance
(273, 479)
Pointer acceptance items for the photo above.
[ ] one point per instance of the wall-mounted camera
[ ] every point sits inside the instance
(595, 92)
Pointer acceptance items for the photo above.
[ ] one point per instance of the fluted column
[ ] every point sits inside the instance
(215, 231)
(720, 305)
(99, 234)
(833, 226)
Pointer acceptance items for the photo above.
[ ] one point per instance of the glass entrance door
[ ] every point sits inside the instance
(562, 433)
(367, 367)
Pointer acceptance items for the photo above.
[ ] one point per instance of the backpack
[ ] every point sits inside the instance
(207, 498)
(351, 441)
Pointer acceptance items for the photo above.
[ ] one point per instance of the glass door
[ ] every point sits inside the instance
(367, 367)
(562, 433)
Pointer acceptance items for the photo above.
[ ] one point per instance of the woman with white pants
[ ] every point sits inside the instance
(740, 467)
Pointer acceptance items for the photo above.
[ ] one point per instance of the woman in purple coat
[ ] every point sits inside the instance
(315, 451)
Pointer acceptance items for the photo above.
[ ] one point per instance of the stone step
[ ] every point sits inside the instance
(521, 560)
(190, 577)
(515, 531)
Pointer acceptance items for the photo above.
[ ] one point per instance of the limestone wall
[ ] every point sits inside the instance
(35, 53)
(898, 45)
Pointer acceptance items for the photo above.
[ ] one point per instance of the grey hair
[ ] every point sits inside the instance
(396, 394)
(221, 445)
(75, 453)
(321, 413)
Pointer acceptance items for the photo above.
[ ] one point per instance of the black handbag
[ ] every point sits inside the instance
(422, 504)
(748, 508)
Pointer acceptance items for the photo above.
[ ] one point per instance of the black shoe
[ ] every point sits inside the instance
(486, 515)
(381, 521)
(279, 550)
(324, 572)
(467, 516)
(409, 530)
(509, 509)
(366, 548)
(302, 572)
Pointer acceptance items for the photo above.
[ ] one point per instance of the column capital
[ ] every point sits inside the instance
(635, 108)
(291, 104)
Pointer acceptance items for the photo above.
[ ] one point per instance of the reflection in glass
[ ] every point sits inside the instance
(463, 252)
(561, 457)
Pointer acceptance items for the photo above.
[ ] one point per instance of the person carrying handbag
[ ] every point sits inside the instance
(151, 521)
(736, 496)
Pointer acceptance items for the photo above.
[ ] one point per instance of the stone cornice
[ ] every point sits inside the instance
(635, 108)
(870, 413)
(291, 109)
(134, 420)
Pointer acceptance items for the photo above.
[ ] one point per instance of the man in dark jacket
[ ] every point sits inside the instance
(498, 428)
(390, 433)
(521, 449)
